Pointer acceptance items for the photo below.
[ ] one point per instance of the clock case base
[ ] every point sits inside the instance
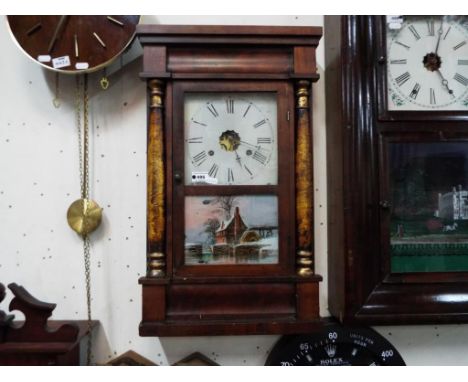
(235, 303)
(229, 307)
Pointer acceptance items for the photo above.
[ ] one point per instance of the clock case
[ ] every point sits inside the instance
(361, 287)
(180, 299)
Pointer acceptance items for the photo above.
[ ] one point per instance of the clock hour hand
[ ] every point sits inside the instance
(251, 145)
(238, 159)
(57, 31)
(445, 83)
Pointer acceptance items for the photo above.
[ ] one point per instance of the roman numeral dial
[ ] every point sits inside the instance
(230, 138)
(427, 64)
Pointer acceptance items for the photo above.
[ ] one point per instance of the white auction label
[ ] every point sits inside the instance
(44, 58)
(203, 177)
(81, 65)
(395, 21)
(61, 62)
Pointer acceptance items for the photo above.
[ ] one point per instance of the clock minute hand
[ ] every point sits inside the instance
(445, 83)
(439, 32)
(58, 29)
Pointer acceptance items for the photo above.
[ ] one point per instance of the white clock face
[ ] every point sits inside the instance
(427, 63)
(231, 138)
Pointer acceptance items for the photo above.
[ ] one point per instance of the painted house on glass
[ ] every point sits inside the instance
(453, 205)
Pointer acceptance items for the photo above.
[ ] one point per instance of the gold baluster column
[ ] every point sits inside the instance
(156, 260)
(304, 182)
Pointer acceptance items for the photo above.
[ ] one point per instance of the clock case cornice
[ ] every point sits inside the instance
(240, 52)
(236, 57)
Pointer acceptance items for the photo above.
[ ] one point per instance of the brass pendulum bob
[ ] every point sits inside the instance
(84, 216)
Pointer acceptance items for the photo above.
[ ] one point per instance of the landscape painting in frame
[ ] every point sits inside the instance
(429, 218)
(231, 230)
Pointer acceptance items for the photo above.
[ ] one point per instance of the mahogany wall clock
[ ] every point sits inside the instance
(71, 44)
(229, 217)
(398, 168)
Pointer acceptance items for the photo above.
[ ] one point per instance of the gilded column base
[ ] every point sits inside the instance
(156, 264)
(304, 263)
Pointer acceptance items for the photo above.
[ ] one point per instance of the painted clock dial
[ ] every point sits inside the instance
(427, 63)
(231, 139)
(335, 345)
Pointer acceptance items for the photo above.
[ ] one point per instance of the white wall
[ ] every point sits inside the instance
(39, 178)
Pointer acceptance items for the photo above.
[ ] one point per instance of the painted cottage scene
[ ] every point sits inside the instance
(231, 230)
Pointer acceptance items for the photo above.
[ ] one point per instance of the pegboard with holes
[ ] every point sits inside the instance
(39, 178)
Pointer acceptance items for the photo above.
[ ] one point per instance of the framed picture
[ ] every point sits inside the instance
(429, 212)
(231, 230)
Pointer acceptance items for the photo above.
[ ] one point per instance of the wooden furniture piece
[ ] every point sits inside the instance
(37, 342)
(366, 284)
(204, 83)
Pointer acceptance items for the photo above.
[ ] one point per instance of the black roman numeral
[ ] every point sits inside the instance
(415, 91)
(199, 123)
(446, 33)
(247, 110)
(230, 175)
(248, 170)
(403, 45)
(212, 110)
(213, 170)
(259, 123)
(199, 158)
(432, 96)
(414, 32)
(230, 106)
(458, 46)
(259, 157)
(401, 79)
(263, 140)
(463, 80)
(430, 27)
(398, 62)
(195, 140)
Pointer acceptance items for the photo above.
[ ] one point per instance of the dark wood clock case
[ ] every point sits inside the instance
(180, 300)
(362, 288)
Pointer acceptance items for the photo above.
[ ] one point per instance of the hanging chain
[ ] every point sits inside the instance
(85, 182)
(78, 124)
(83, 144)
(87, 261)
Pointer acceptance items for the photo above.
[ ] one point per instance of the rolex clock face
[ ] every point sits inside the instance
(231, 139)
(335, 345)
(427, 63)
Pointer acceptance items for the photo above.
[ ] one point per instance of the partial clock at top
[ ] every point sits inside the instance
(427, 63)
(73, 43)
